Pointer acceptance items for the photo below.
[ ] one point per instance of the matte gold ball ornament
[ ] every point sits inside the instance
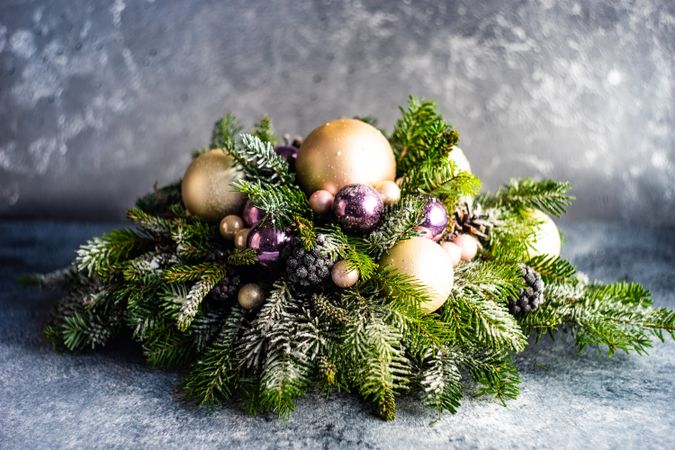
(343, 276)
(546, 240)
(251, 296)
(206, 188)
(426, 261)
(343, 152)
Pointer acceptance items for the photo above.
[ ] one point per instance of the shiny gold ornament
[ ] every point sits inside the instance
(426, 261)
(241, 238)
(206, 187)
(546, 241)
(343, 276)
(342, 152)
(390, 192)
(230, 225)
(251, 296)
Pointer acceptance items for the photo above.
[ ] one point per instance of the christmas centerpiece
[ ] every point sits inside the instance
(348, 261)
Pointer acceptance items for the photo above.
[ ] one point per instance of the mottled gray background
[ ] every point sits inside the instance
(98, 99)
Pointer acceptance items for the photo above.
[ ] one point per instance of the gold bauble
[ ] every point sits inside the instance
(251, 296)
(207, 186)
(546, 240)
(460, 159)
(389, 191)
(241, 238)
(342, 152)
(426, 261)
(343, 275)
(230, 225)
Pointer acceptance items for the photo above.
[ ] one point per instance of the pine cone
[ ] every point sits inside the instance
(466, 220)
(531, 296)
(308, 268)
(227, 287)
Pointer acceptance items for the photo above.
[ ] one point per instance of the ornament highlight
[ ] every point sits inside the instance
(343, 152)
(426, 261)
(321, 201)
(251, 296)
(468, 244)
(358, 208)
(546, 240)
(206, 188)
(343, 276)
(267, 242)
(229, 226)
(389, 191)
(252, 215)
(435, 218)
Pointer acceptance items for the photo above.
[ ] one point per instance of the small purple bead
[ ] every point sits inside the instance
(289, 153)
(358, 208)
(252, 215)
(435, 218)
(267, 242)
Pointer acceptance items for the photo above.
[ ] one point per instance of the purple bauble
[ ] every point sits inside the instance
(289, 153)
(358, 208)
(252, 215)
(267, 242)
(435, 218)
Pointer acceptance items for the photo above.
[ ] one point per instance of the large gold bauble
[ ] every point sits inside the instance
(546, 240)
(342, 152)
(460, 159)
(207, 186)
(427, 261)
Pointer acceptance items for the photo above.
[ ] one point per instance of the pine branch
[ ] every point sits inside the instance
(213, 377)
(441, 380)
(547, 195)
(553, 268)
(260, 162)
(100, 254)
(493, 371)
(399, 224)
(442, 179)
(264, 130)
(195, 239)
(225, 132)
(284, 205)
(152, 224)
(160, 200)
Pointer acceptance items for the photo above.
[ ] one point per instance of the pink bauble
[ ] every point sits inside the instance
(321, 201)
(468, 244)
(453, 250)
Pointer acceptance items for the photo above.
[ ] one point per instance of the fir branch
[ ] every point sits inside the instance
(225, 132)
(553, 269)
(242, 257)
(260, 162)
(548, 195)
(194, 239)
(264, 130)
(442, 179)
(283, 204)
(441, 379)
(160, 200)
(150, 223)
(399, 224)
(213, 377)
(183, 273)
(99, 254)
(494, 371)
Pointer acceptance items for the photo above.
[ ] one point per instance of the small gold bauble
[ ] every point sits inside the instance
(546, 240)
(343, 276)
(321, 201)
(389, 191)
(342, 152)
(251, 296)
(207, 186)
(426, 261)
(241, 238)
(230, 225)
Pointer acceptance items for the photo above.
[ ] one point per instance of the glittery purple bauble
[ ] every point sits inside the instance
(267, 242)
(358, 208)
(435, 218)
(252, 214)
(289, 153)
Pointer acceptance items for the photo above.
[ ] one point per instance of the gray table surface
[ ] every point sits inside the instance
(109, 399)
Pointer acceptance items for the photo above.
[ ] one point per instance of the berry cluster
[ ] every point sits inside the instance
(308, 268)
(531, 296)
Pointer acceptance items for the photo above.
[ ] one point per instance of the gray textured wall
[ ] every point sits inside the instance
(98, 99)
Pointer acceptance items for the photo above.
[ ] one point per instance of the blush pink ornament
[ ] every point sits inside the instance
(321, 201)
(453, 250)
(468, 244)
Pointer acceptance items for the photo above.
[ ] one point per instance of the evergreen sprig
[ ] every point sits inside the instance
(260, 162)
(548, 195)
